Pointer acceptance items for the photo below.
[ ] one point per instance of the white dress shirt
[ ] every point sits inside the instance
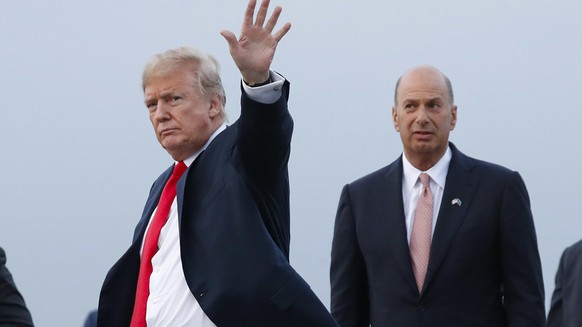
(170, 302)
(412, 188)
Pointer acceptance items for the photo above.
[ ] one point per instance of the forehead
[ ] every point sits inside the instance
(170, 81)
(425, 83)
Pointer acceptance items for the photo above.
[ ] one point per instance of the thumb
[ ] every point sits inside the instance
(230, 38)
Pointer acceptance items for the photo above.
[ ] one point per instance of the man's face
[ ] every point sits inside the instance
(182, 117)
(424, 116)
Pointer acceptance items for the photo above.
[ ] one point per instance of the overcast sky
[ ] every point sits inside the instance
(79, 154)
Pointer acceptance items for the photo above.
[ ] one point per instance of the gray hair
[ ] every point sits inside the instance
(205, 67)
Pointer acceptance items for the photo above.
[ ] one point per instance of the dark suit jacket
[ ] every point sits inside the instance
(566, 306)
(91, 319)
(484, 267)
(233, 207)
(13, 311)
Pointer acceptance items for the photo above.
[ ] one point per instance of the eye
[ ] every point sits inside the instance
(174, 99)
(151, 106)
(434, 105)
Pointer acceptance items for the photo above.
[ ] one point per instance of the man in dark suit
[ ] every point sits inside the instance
(567, 298)
(436, 238)
(222, 255)
(13, 311)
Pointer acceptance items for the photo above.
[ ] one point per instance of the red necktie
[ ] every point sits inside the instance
(150, 246)
(421, 232)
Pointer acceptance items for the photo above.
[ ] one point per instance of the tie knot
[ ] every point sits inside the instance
(424, 179)
(179, 169)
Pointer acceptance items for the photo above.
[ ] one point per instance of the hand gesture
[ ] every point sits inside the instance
(253, 52)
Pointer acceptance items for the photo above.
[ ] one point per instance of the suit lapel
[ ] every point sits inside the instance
(151, 203)
(392, 221)
(202, 185)
(460, 184)
(180, 189)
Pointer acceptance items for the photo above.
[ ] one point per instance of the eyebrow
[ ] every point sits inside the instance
(416, 99)
(162, 94)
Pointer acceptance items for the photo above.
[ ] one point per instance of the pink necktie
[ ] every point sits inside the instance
(150, 246)
(421, 232)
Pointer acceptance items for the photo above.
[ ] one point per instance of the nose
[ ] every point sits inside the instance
(422, 115)
(162, 113)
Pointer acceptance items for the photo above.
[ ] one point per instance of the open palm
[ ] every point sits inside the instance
(254, 50)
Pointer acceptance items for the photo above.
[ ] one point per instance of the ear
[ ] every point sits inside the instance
(453, 117)
(215, 106)
(395, 119)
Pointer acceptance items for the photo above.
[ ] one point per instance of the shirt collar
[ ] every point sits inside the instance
(193, 157)
(438, 172)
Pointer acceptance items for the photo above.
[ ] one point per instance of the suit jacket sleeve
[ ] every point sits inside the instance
(523, 287)
(556, 314)
(264, 138)
(13, 311)
(263, 148)
(349, 283)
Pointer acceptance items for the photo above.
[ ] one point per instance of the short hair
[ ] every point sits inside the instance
(205, 67)
(447, 82)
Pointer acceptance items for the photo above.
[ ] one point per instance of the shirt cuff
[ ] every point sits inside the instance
(266, 94)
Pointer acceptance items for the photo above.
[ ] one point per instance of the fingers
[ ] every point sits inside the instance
(262, 13)
(260, 19)
(279, 35)
(249, 13)
(274, 18)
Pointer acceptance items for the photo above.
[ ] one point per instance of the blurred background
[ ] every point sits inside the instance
(79, 154)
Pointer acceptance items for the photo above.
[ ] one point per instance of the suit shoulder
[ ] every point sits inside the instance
(493, 167)
(479, 166)
(571, 260)
(491, 176)
(574, 249)
(372, 179)
(164, 176)
(488, 168)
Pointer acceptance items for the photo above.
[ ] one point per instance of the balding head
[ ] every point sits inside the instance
(426, 71)
(424, 114)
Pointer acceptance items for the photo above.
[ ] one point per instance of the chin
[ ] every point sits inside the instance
(424, 147)
(171, 148)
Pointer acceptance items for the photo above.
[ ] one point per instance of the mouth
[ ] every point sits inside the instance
(423, 134)
(167, 131)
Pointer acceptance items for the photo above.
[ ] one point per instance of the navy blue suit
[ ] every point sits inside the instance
(91, 319)
(567, 298)
(233, 209)
(13, 311)
(484, 266)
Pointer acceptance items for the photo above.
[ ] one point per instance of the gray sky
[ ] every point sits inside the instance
(79, 153)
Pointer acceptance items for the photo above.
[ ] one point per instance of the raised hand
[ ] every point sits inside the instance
(254, 50)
